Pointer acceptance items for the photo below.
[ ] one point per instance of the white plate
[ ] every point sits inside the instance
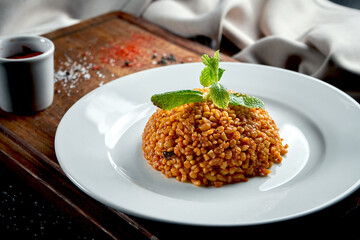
(98, 145)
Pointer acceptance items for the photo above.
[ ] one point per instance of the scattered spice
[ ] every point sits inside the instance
(128, 53)
(96, 67)
(165, 59)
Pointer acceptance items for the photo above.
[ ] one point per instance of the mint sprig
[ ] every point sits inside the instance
(218, 94)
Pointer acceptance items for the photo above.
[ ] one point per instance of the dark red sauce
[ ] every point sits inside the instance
(26, 53)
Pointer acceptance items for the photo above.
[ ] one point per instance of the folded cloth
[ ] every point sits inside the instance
(40, 16)
(314, 37)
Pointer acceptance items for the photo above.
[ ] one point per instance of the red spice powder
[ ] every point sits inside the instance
(96, 67)
(125, 53)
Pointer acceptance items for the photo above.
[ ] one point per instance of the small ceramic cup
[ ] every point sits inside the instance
(26, 74)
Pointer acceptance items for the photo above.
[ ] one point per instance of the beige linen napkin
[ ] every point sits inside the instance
(314, 37)
(36, 17)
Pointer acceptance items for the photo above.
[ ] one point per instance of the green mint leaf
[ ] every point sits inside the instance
(219, 95)
(220, 73)
(170, 100)
(206, 77)
(246, 101)
(216, 60)
(206, 60)
(212, 62)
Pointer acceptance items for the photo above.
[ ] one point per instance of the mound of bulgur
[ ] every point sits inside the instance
(206, 145)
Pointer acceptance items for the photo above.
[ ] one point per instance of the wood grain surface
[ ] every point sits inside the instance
(83, 62)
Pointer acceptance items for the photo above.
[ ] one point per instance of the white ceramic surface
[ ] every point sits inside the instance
(26, 85)
(98, 145)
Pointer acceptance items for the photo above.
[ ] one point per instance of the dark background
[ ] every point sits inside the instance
(25, 214)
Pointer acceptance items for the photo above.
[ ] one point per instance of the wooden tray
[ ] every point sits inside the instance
(88, 55)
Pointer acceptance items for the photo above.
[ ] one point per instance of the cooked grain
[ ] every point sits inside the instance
(205, 145)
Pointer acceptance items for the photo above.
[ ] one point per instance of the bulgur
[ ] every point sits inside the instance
(205, 145)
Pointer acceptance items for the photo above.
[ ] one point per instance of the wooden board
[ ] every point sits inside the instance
(88, 55)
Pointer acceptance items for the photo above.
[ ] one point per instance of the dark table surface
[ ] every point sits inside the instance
(26, 214)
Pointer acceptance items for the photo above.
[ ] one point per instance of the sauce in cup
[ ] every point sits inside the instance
(26, 53)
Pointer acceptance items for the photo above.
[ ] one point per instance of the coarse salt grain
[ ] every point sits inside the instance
(71, 73)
